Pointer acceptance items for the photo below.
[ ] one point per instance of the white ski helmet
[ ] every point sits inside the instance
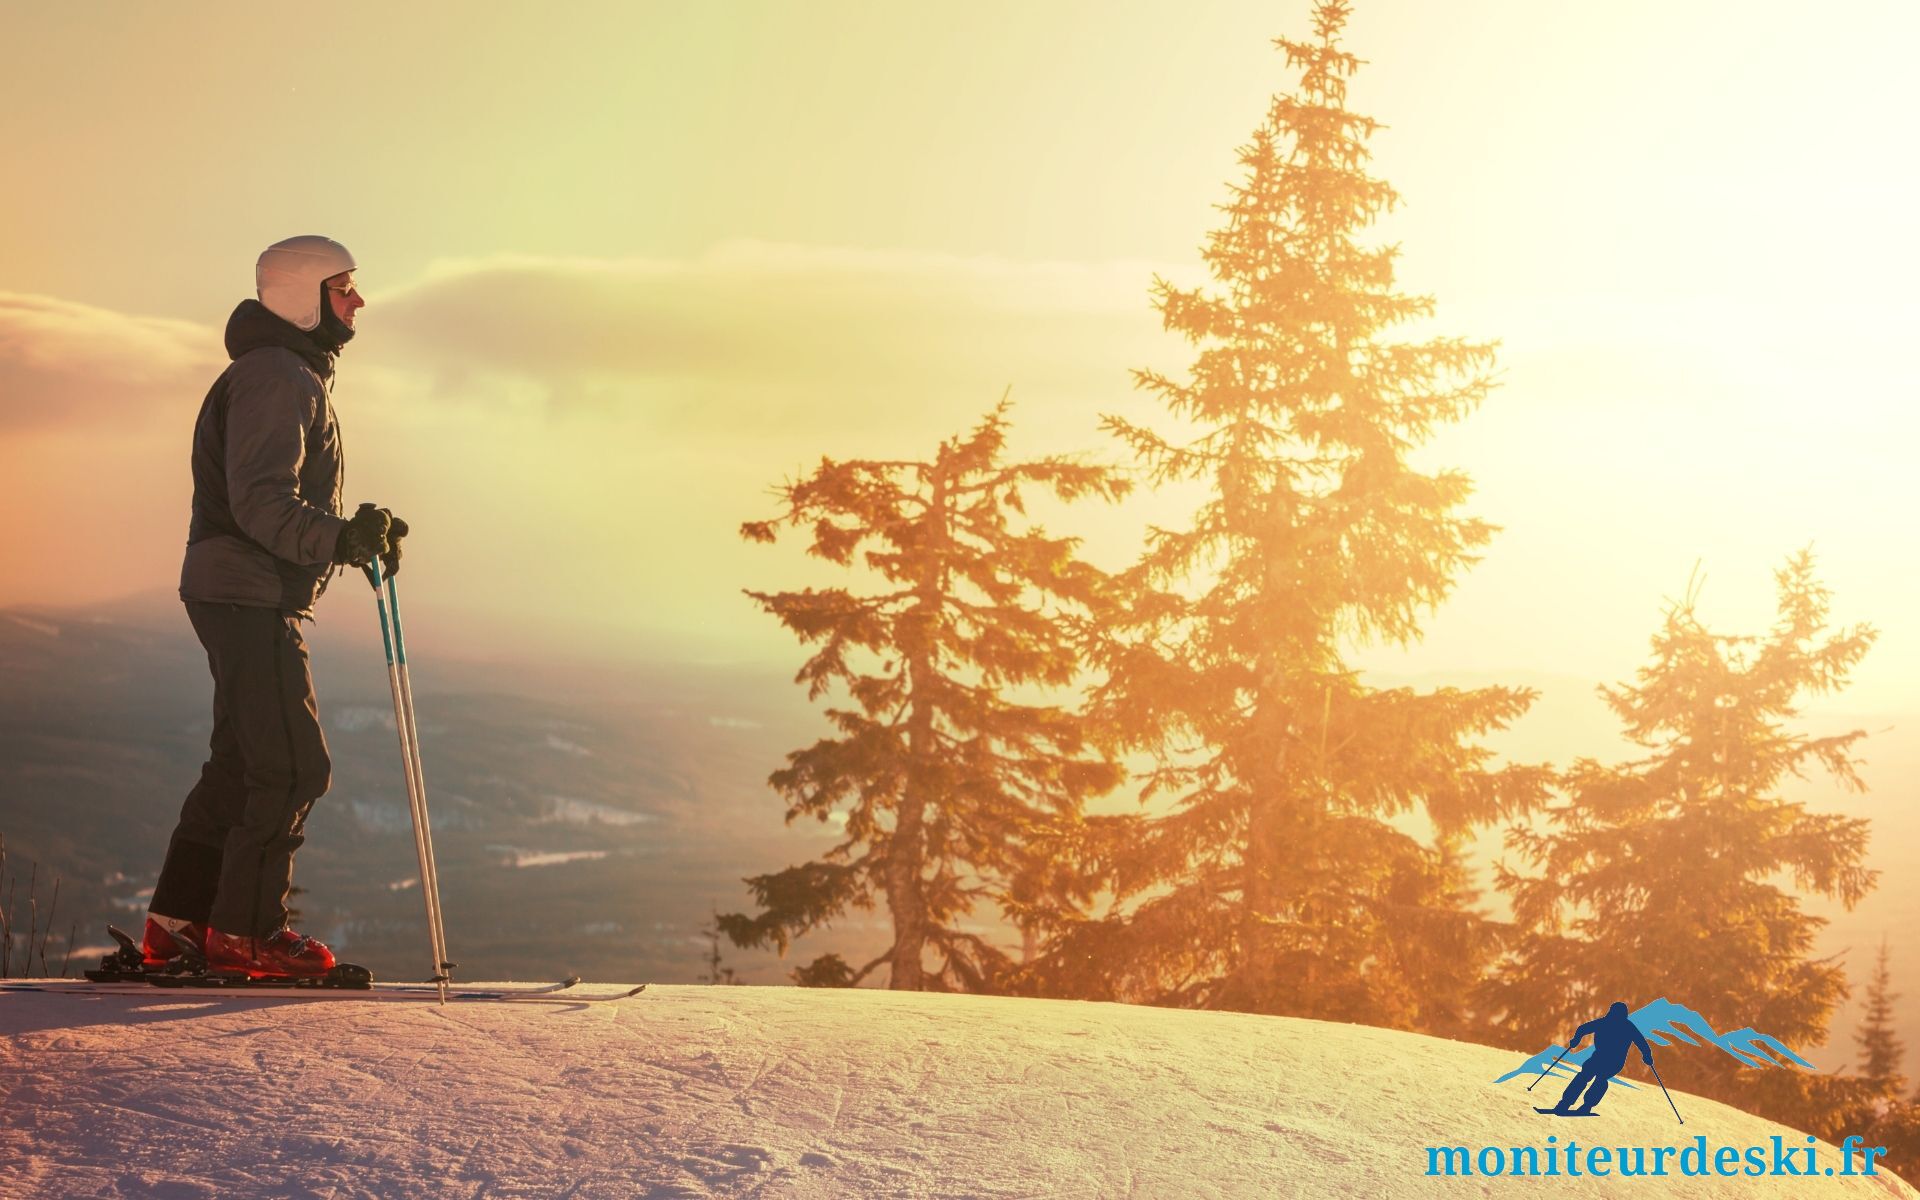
(289, 274)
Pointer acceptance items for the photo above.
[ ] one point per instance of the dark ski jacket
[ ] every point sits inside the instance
(267, 471)
(1612, 1034)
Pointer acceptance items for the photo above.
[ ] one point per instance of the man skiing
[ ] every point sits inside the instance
(266, 535)
(1612, 1034)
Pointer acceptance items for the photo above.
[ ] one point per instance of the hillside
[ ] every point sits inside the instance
(776, 1092)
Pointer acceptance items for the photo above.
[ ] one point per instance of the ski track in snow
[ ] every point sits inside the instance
(691, 1092)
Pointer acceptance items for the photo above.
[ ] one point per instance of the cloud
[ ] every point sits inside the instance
(64, 363)
(640, 408)
(750, 340)
(775, 330)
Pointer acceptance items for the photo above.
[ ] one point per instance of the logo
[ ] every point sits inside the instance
(1590, 1063)
(1665, 1022)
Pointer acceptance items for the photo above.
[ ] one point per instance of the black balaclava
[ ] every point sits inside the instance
(331, 333)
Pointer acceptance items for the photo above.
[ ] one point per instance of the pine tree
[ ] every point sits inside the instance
(1898, 1129)
(946, 781)
(1278, 882)
(717, 970)
(1660, 876)
(1881, 1049)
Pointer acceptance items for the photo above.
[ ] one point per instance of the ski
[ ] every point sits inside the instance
(555, 993)
(1554, 1112)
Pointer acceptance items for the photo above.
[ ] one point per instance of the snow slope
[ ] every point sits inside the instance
(776, 1092)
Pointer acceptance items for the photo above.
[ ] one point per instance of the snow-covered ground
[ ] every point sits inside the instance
(777, 1092)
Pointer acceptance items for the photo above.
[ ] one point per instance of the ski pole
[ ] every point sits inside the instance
(395, 645)
(408, 730)
(445, 973)
(1550, 1067)
(1668, 1095)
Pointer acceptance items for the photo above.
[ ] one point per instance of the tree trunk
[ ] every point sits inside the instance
(1273, 834)
(906, 855)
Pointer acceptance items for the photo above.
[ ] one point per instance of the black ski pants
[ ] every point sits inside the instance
(230, 861)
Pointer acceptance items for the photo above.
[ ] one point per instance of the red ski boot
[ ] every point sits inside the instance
(280, 955)
(167, 938)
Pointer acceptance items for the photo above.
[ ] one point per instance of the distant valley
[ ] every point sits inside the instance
(589, 818)
(591, 835)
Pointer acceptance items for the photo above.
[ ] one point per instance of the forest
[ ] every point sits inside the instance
(1298, 841)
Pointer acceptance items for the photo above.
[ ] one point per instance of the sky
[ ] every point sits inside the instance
(630, 266)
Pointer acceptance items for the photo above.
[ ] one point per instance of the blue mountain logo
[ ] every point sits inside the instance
(1663, 1023)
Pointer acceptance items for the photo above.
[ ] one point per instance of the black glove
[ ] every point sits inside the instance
(364, 537)
(390, 561)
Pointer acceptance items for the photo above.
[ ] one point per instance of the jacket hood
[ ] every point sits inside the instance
(253, 327)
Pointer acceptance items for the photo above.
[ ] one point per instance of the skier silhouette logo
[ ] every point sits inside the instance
(1612, 1035)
